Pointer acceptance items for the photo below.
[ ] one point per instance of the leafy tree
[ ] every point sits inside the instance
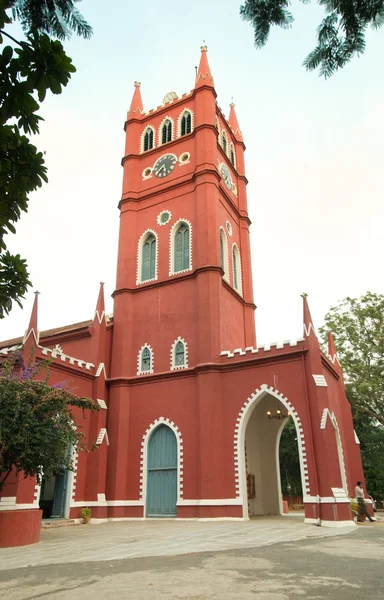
(357, 325)
(340, 35)
(37, 423)
(27, 72)
(289, 461)
(371, 440)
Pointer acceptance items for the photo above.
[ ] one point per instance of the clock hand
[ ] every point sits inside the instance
(161, 168)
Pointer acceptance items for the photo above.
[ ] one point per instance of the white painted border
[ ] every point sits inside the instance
(144, 459)
(159, 143)
(142, 139)
(139, 259)
(228, 227)
(151, 369)
(239, 439)
(175, 367)
(235, 250)
(159, 222)
(224, 134)
(172, 235)
(332, 417)
(232, 147)
(226, 261)
(186, 110)
(184, 162)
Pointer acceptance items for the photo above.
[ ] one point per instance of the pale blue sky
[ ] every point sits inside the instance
(314, 158)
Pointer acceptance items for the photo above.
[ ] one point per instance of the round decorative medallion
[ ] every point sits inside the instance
(164, 217)
(147, 172)
(184, 157)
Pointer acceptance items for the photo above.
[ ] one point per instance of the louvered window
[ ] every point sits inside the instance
(148, 264)
(146, 359)
(148, 139)
(182, 258)
(224, 142)
(186, 123)
(166, 132)
(232, 155)
(179, 354)
(235, 268)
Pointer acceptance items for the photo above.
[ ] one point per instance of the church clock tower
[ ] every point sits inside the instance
(184, 268)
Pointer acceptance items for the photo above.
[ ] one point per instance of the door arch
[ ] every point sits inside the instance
(247, 412)
(162, 473)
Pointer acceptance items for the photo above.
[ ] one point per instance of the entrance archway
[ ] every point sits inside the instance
(257, 452)
(162, 473)
(54, 495)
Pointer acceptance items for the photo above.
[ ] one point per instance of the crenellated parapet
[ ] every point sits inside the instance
(263, 349)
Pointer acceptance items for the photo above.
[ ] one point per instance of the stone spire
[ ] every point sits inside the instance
(204, 76)
(100, 306)
(136, 109)
(233, 122)
(32, 328)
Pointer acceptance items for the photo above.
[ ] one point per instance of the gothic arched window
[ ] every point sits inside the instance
(186, 123)
(166, 132)
(224, 141)
(182, 248)
(236, 268)
(232, 155)
(148, 139)
(145, 362)
(148, 259)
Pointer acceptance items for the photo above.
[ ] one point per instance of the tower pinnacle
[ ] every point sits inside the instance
(234, 123)
(32, 327)
(204, 76)
(136, 108)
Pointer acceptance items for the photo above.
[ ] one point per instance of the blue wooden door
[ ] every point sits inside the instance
(162, 473)
(60, 495)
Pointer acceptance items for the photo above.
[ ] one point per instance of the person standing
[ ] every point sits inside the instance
(362, 507)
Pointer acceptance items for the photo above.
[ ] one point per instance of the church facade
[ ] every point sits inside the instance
(191, 409)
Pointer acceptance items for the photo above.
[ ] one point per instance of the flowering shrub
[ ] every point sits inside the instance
(36, 422)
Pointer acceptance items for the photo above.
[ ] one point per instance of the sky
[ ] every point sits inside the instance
(313, 159)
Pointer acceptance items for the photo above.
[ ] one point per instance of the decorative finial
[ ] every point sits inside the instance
(303, 295)
(36, 293)
(137, 83)
(232, 104)
(204, 48)
(102, 282)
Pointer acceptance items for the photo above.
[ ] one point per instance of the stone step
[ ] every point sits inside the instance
(50, 523)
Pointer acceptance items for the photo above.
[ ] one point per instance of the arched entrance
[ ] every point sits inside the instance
(54, 495)
(162, 473)
(258, 438)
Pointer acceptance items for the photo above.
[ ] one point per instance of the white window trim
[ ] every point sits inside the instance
(139, 356)
(172, 234)
(175, 367)
(159, 222)
(186, 110)
(232, 147)
(142, 139)
(238, 289)
(224, 133)
(160, 130)
(139, 260)
(226, 262)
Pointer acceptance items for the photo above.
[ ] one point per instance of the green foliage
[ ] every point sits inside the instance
(86, 513)
(27, 71)
(289, 461)
(371, 439)
(357, 325)
(37, 423)
(340, 35)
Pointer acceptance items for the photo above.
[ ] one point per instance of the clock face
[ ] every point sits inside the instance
(165, 165)
(226, 176)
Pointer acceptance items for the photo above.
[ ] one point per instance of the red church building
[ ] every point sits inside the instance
(191, 408)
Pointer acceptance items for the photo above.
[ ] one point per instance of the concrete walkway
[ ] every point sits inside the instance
(133, 539)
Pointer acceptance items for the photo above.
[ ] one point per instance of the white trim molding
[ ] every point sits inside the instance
(239, 441)
(172, 235)
(102, 434)
(144, 458)
(232, 148)
(139, 259)
(320, 380)
(236, 257)
(185, 110)
(211, 502)
(174, 366)
(332, 417)
(151, 368)
(142, 139)
(223, 235)
(167, 118)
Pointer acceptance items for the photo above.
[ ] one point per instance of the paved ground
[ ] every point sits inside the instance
(151, 561)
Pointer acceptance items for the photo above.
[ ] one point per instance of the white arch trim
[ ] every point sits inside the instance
(139, 356)
(139, 259)
(223, 235)
(172, 235)
(144, 458)
(143, 136)
(239, 440)
(159, 142)
(184, 112)
(174, 366)
(323, 423)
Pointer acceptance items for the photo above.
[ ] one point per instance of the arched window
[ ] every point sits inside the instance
(224, 253)
(232, 155)
(182, 249)
(179, 354)
(236, 265)
(148, 258)
(186, 123)
(217, 125)
(224, 141)
(145, 360)
(148, 139)
(166, 132)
